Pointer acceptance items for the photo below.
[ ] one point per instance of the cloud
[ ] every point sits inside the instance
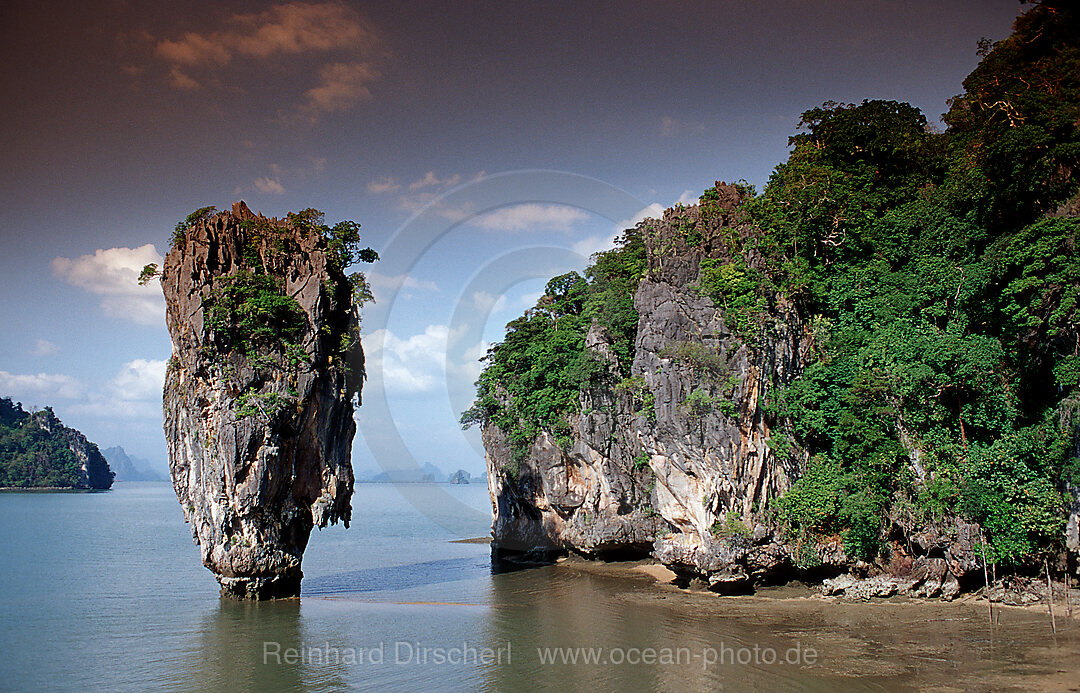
(468, 372)
(341, 85)
(178, 79)
(431, 180)
(530, 216)
(194, 49)
(383, 285)
(134, 392)
(418, 363)
(689, 197)
(382, 185)
(44, 348)
(113, 273)
(286, 29)
(269, 186)
(431, 202)
(488, 303)
(671, 127)
(47, 386)
(295, 28)
(290, 29)
(141, 379)
(427, 190)
(595, 244)
(411, 365)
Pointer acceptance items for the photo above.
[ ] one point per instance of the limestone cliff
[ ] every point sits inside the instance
(682, 459)
(258, 393)
(648, 472)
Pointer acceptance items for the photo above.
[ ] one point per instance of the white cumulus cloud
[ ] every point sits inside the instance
(44, 386)
(134, 392)
(408, 365)
(419, 363)
(269, 186)
(113, 273)
(531, 216)
(139, 379)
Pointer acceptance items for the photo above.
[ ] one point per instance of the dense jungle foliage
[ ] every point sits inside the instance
(939, 274)
(533, 378)
(248, 312)
(944, 269)
(31, 455)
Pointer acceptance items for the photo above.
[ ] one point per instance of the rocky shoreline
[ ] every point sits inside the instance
(645, 474)
(1024, 594)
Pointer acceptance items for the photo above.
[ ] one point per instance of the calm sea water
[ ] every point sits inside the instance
(105, 591)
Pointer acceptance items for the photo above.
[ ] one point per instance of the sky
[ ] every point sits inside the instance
(482, 146)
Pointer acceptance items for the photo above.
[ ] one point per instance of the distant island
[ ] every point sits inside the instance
(38, 451)
(428, 473)
(128, 467)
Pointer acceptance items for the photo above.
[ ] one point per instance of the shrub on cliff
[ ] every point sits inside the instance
(939, 274)
(247, 310)
(533, 378)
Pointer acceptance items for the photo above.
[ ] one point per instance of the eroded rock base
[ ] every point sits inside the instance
(261, 588)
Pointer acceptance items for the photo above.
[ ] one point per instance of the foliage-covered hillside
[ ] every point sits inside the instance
(36, 450)
(939, 274)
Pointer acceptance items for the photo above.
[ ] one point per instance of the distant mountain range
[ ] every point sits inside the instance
(428, 473)
(129, 467)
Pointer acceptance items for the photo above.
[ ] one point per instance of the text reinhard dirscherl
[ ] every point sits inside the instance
(406, 653)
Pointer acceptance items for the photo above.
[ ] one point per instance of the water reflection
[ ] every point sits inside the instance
(628, 625)
(259, 647)
(638, 638)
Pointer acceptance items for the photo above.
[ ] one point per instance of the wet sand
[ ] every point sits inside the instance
(888, 644)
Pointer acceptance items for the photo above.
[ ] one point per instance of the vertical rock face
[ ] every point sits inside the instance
(682, 459)
(94, 471)
(714, 467)
(258, 394)
(653, 473)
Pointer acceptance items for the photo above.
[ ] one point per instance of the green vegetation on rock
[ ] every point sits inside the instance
(36, 452)
(939, 278)
(533, 378)
(249, 313)
(248, 310)
(946, 380)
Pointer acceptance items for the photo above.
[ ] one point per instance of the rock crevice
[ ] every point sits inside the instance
(689, 477)
(258, 398)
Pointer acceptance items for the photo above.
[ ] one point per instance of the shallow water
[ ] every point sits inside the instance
(105, 591)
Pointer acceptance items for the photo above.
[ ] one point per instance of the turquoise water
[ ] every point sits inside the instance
(105, 591)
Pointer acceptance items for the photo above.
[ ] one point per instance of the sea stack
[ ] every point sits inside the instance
(258, 399)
